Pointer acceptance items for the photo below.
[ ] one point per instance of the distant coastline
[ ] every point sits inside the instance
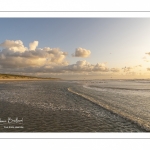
(23, 77)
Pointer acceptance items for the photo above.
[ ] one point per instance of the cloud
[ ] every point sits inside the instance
(127, 69)
(145, 59)
(131, 73)
(148, 53)
(15, 46)
(138, 66)
(115, 69)
(81, 52)
(79, 67)
(33, 45)
(15, 55)
(148, 69)
(84, 66)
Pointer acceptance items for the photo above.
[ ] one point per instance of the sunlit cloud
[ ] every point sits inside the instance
(78, 67)
(148, 53)
(84, 66)
(16, 58)
(138, 66)
(81, 52)
(132, 73)
(33, 45)
(15, 55)
(148, 69)
(115, 69)
(145, 59)
(13, 46)
(127, 69)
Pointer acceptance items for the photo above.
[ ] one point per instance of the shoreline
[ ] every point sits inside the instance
(25, 80)
(7, 80)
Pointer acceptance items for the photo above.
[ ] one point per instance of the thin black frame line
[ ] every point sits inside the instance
(77, 11)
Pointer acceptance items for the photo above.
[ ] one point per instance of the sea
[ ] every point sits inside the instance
(76, 106)
(129, 99)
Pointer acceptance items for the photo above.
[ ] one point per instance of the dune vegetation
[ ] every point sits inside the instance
(14, 76)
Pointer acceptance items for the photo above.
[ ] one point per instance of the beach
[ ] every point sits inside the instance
(48, 106)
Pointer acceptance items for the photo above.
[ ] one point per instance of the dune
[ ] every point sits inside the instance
(9, 77)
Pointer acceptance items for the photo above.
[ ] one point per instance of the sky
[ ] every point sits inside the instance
(76, 48)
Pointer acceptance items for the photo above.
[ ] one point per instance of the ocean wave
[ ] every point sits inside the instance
(115, 88)
(123, 113)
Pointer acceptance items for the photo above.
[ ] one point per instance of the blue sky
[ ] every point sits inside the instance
(118, 42)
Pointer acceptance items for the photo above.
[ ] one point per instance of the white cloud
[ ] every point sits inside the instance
(33, 45)
(81, 52)
(15, 55)
(15, 46)
(79, 67)
(84, 66)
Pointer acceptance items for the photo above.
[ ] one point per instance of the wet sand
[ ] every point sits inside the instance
(47, 106)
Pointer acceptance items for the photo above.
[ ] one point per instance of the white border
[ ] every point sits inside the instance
(74, 14)
(74, 5)
(78, 135)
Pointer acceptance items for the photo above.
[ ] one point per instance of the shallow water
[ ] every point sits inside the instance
(127, 98)
(62, 106)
